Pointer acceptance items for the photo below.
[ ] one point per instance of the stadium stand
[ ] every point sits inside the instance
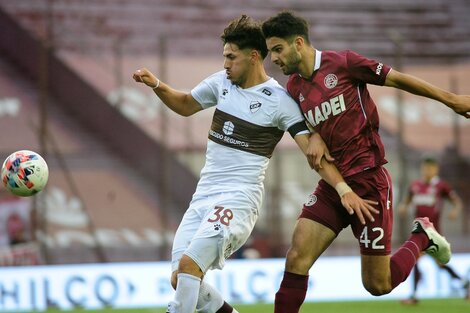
(88, 37)
(78, 112)
(431, 30)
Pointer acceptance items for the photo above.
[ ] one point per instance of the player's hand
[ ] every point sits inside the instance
(146, 77)
(461, 105)
(316, 150)
(361, 207)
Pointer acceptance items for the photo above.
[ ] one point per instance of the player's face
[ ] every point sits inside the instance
(429, 170)
(236, 63)
(284, 54)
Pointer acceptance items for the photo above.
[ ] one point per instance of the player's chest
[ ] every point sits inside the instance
(428, 189)
(321, 104)
(249, 106)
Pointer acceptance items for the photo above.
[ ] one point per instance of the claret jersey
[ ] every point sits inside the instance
(428, 198)
(336, 103)
(247, 125)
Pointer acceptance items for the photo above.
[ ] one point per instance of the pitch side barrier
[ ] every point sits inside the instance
(126, 285)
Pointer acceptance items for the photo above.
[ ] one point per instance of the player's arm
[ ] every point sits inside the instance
(180, 102)
(350, 200)
(457, 205)
(316, 151)
(459, 103)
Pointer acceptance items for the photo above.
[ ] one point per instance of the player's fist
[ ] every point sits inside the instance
(146, 77)
(461, 105)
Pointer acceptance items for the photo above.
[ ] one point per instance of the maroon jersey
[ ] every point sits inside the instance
(337, 104)
(428, 198)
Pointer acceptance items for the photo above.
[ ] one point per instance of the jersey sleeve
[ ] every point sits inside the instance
(445, 190)
(366, 70)
(207, 91)
(290, 117)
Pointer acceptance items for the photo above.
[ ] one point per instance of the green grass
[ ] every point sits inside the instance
(425, 306)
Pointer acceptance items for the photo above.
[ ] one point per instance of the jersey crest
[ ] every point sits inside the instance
(330, 81)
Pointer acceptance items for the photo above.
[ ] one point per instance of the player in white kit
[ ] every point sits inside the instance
(252, 113)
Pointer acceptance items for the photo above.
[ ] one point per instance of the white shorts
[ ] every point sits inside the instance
(212, 229)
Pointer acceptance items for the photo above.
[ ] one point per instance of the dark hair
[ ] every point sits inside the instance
(245, 33)
(429, 159)
(286, 25)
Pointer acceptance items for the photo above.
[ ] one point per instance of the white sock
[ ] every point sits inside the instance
(209, 299)
(187, 291)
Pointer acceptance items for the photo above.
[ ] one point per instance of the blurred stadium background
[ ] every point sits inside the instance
(123, 167)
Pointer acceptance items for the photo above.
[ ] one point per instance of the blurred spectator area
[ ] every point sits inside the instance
(123, 168)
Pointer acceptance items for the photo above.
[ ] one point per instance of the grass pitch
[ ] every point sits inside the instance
(424, 306)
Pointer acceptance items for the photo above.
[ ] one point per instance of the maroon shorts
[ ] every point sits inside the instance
(324, 207)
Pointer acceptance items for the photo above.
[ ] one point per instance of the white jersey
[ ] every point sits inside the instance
(247, 125)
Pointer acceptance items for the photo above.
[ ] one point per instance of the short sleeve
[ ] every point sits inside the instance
(366, 70)
(289, 113)
(445, 189)
(207, 91)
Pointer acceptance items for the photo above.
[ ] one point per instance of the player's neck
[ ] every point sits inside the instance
(308, 62)
(428, 180)
(256, 77)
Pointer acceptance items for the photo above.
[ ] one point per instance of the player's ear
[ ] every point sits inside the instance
(299, 42)
(254, 56)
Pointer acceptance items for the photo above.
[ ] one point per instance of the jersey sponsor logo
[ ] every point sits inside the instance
(424, 199)
(326, 109)
(331, 81)
(378, 70)
(228, 128)
(228, 139)
(254, 106)
(301, 98)
(236, 133)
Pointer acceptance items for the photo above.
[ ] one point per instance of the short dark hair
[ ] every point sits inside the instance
(245, 33)
(429, 159)
(286, 25)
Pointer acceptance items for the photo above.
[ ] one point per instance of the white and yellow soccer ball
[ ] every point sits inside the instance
(24, 173)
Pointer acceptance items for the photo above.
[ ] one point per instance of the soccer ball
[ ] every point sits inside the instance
(24, 173)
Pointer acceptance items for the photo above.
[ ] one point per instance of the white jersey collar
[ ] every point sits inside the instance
(317, 60)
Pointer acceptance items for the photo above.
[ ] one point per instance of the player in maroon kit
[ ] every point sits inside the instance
(427, 195)
(331, 89)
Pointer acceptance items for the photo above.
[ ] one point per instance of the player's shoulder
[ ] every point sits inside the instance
(293, 84)
(272, 89)
(329, 55)
(217, 76)
(443, 183)
(338, 58)
(276, 94)
(218, 79)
